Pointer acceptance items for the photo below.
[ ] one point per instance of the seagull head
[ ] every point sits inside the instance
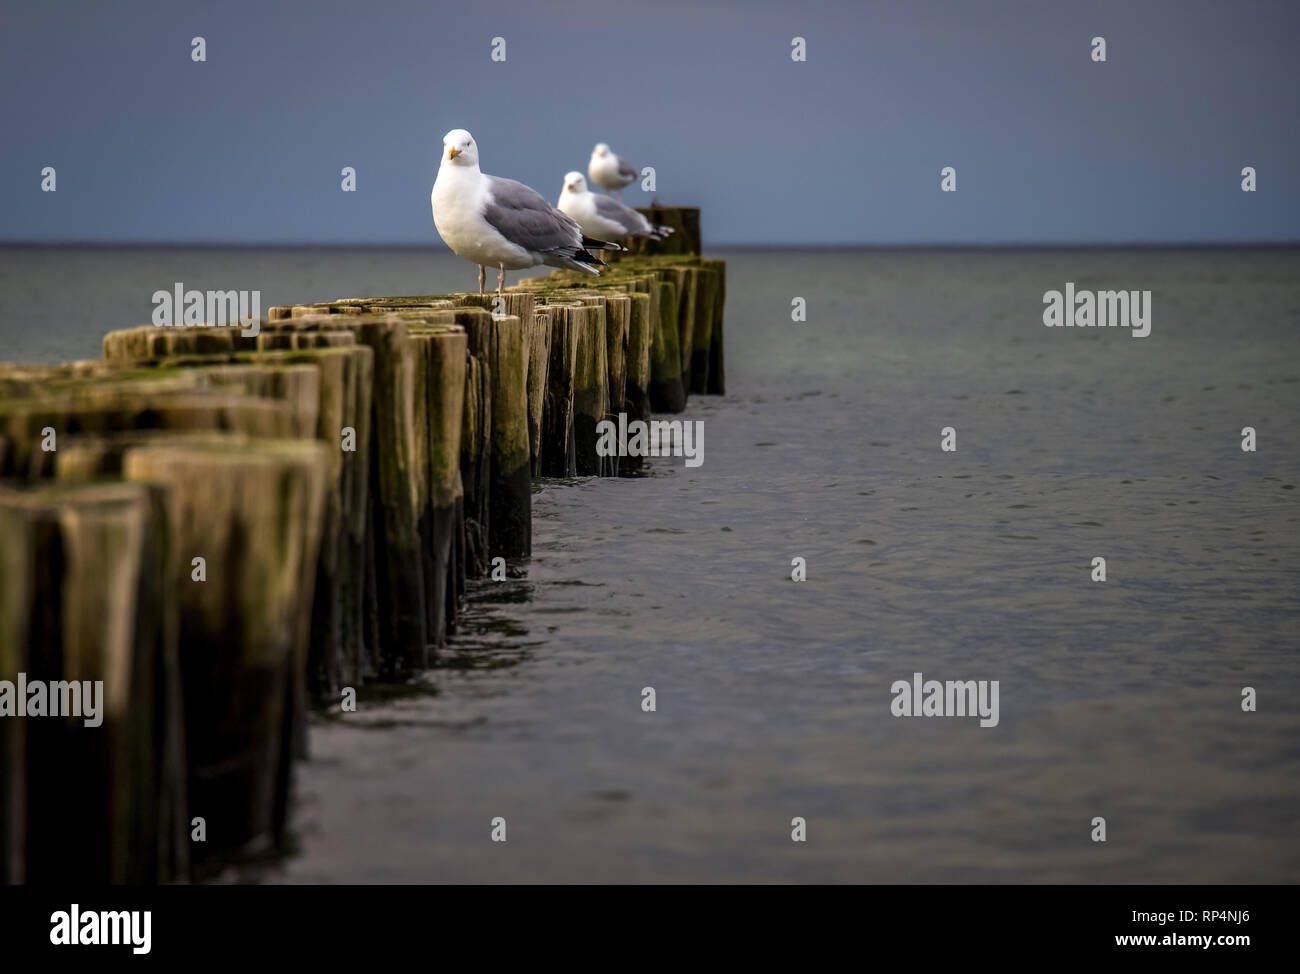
(458, 149)
(601, 149)
(575, 183)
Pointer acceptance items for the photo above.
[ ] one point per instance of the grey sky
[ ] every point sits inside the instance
(845, 148)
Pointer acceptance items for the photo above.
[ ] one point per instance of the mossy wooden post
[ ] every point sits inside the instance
(475, 457)
(667, 394)
(357, 503)
(253, 511)
(717, 375)
(392, 609)
(343, 425)
(152, 341)
(618, 312)
(591, 390)
(539, 354)
(558, 455)
(640, 336)
(706, 297)
(521, 304)
(399, 582)
(440, 397)
(501, 342)
(100, 803)
(687, 287)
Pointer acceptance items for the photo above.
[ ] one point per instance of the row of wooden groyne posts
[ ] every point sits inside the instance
(223, 528)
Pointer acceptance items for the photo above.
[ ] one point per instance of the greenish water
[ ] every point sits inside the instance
(1118, 699)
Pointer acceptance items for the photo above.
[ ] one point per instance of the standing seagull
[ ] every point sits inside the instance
(604, 216)
(608, 171)
(501, 222)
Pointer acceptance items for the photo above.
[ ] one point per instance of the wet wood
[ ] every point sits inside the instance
(501, 343)
(558, 454)
(86, 597)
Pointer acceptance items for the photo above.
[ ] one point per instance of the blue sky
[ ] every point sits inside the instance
(1049, 146)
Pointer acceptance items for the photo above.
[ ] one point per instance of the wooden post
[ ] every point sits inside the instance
(253, 511)
(687, 284)
(617, 325)
(559, 458)
(666, 392)
(475, 457)
(521, 304)
(717, 384)
(337, 637)
(84, 802)
(706, 296)
(394, 531)
(640, 336)
(591, 390)
(394, 612)
(151, 341)
(440, 392)
(501, 342)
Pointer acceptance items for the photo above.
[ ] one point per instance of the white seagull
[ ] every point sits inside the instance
(501, 222)
(604, 216)
(608, 171)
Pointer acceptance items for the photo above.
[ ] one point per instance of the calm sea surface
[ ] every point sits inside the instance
(1118, 699)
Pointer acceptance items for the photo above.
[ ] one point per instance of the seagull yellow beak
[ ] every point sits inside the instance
(452, 152)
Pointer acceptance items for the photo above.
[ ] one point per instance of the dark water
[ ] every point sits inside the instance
(1118, 699)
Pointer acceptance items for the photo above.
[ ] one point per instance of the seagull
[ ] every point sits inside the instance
(608, 171)
(501, 222)
(604, 216)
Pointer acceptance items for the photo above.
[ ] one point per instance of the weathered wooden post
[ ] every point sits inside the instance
(591, 390)
(706, 296)
(440, 394)
(150, 341)
(644, 308)
(252, 510)
(717, 384)
(475, 457)
(559, 458)
(666, 392)
(502, 342)
(618, 311)
(95, 793)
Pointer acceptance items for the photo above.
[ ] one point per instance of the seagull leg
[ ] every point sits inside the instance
(501, 281)
(482, 277)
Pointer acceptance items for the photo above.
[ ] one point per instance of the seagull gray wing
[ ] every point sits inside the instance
(626, 217)
(521, 215)
(627, 171)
